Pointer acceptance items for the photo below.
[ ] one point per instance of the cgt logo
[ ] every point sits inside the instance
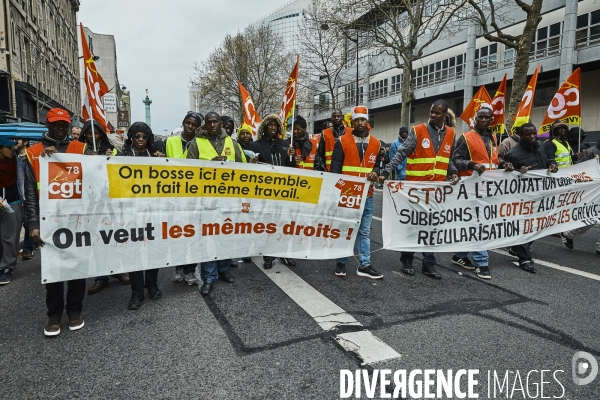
(350, 193)
(65, 180)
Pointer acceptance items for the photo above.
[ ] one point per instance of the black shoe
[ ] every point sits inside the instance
(340, 269)
(567, 242)
(407, 268)
(512, 253)
(206, 289)
(135, 302)
(527, 266)
(268, 264)
(227, 277)
(483, 272)
(153, 292)
(288, 262)
(429, 270)
(463, 262)
(233, 264)
(368, 272)
(246, 259)
(598, 252)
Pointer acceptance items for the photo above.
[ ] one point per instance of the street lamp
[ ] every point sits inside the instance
(325, 27)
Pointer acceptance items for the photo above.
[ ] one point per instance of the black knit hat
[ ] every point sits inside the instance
(403, 129)
(300, 121)
(198, 117)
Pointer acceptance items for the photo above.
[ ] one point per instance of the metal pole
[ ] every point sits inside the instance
(356, 68)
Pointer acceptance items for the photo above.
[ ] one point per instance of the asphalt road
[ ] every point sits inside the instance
(256, 339)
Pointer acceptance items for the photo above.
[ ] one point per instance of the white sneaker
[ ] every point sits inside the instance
(178, 277)
(191, 279)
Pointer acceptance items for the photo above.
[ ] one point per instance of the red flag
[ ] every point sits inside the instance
(497, 125)
(565, 105)
(523, 113)
(95, 86)
(251, 117)
(289, 99)
(481, 99)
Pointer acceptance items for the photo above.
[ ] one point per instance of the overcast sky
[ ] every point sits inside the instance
(159, 40)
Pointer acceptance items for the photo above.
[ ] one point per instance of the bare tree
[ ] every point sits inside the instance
(321, 49)
(402, 29)
(255, 58)
(490, 18)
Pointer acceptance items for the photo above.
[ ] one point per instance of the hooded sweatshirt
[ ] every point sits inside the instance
(104, 144)
(549, 144)
(272, 151)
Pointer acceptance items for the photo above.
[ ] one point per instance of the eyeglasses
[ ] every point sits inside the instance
(145, 137)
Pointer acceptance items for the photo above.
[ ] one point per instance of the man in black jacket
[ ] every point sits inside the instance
(526, 155)
(271, 149)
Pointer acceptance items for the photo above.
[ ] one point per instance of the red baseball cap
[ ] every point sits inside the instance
(58, 114)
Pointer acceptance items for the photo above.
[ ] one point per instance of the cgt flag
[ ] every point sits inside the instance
(251, 117)
(523, 113)
(289, 99)
(481, 99)
(95, 86)
(497, 125)
(565, 105)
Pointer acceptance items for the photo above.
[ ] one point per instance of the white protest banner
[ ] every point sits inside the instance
(496, 209)
(104, 216)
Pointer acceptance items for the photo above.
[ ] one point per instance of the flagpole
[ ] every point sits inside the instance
(294, 106)
(93, 133)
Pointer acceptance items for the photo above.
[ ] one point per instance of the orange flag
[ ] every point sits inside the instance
(289, 99)
(481, 99)
(95, 85)
(497, 125)
(565, 105)
(523, 114)
(251, 117)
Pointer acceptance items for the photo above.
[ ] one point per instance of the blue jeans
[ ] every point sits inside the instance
(28, 244)
(363, 238)
(428, 258)
(480, 258)
(209, 271)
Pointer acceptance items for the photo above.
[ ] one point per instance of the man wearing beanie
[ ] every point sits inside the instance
(56, 140)
(177, 146)
(357, 154)
(557, 147)
(305, 146)
(11, 210)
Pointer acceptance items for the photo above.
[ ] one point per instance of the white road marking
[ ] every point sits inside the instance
(328, 314)
(556, 266)
(377, 218)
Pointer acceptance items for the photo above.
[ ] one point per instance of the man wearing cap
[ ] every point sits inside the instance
(56, 140)
(11, 210)
(177, 146)
(477, 150)
(426, 150)
(357, 154)
(328, 139)
(557, 147)
(400, 171)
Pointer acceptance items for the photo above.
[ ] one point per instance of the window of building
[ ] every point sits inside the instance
(486, 57)
(509, 56)
(378, 89)
(547, 41)
(40, 15)
(439, 72)
(24, 58)
(588, 29)
(350, 93)
(396, 87)
(43, 74)
(411, 114)
(47, 25)
(544, 93)
(51, 91)
(15, 38)
(34, 66)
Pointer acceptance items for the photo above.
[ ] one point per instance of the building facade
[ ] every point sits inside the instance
(105, 48)
(39, 66)
(284, 22)
(454, 66)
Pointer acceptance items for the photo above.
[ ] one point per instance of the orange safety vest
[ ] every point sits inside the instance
(479, 154)
(33, 155)
(423, 164)
(330, 144)
(352, 164)
(309, 161)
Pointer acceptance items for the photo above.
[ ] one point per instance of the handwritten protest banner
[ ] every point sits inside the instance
(496, 209)
(104, 216)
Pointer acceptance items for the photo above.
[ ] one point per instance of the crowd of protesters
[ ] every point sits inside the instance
(431, 151)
